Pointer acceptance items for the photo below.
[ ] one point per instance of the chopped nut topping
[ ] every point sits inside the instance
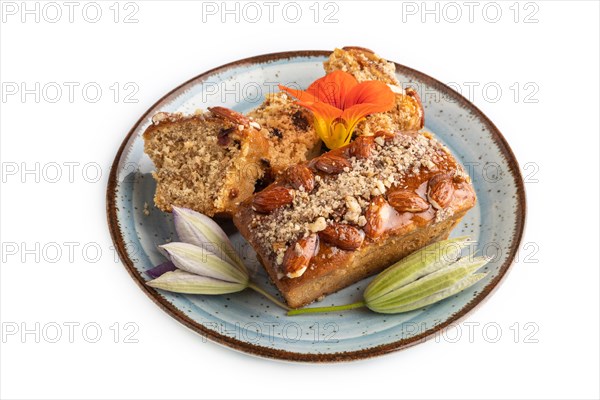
(317, 226)
(344, 198)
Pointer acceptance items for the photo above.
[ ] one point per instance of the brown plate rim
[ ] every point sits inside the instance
(113, 224)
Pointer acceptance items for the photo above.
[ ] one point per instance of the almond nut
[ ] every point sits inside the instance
(297, 257)
(378, 215)
(440, 191)
(271, 199)
(361, 147)
(344, 236)
(411, 92)
(159, 117)
(300, 177)
(229, 114)
(460, 176)
(387, 136)
(407, 201)
(331, 164)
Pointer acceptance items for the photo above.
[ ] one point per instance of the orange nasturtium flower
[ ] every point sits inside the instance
(338, 103)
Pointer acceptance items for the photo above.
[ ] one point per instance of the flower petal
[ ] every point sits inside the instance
(200, 261)
(322, 110)
(428, 285)
(434, 298)
(333, 88)
(314, 104)
(339, 134)
(324, 117)
(301, 95)
(338, 103)
(195, 228)
(416, 265)
(163, 268)
(367, 98)
(373, 92)
(357, 112)
(185, 282)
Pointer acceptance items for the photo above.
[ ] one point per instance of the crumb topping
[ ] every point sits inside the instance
(344, 197)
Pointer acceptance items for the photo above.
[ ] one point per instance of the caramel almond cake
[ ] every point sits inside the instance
(349, 213)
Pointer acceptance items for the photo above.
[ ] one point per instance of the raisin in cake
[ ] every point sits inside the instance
(354, 211)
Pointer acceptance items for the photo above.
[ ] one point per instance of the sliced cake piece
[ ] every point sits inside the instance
(364, 65)
(407, 115)
(354, 211)
(208, 162)
(289, 128)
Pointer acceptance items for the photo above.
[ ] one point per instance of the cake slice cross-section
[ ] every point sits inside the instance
(208, 162)
(289, 128)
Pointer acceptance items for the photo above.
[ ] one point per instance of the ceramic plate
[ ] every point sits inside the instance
(246, 321)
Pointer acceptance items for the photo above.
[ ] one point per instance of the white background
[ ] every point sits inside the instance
(558, 294)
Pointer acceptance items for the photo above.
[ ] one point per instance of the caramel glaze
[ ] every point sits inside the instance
(330, 258)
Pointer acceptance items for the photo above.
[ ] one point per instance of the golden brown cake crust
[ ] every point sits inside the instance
(345, 268)
(363, 64)
(382, 197)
